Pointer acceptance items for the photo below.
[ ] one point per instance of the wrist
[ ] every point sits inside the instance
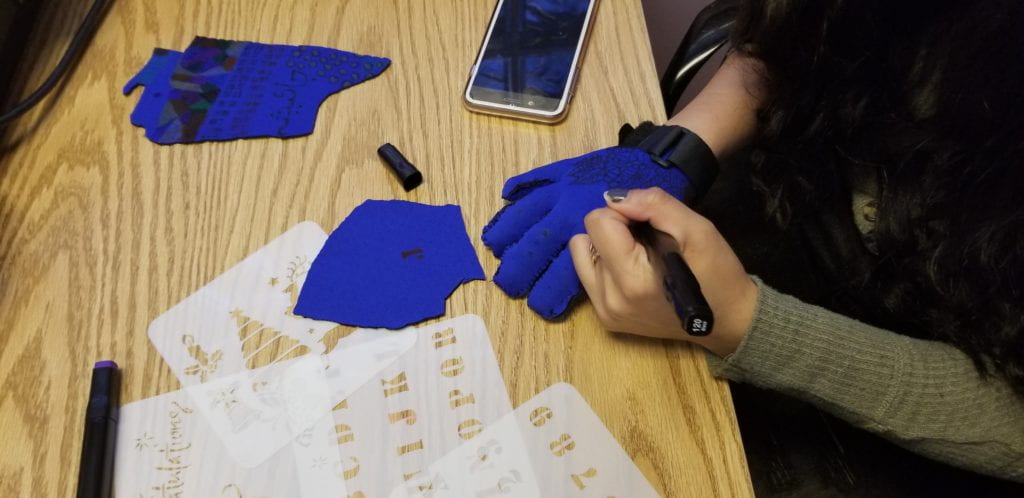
(724, 113)
(676, 147)
(733, 323)
(700, 121)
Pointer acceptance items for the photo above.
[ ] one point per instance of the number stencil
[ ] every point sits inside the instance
(552, 445)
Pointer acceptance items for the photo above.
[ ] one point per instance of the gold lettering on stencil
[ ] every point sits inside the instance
(406, 477)
(540, 416)
(397, 385)
(261, 345)
(408, 415)
(293, 295)
(233, 487)
(408, 448)
(562, 445)
(205, 365)
(452, 367)
(297, 267)
(353, 471)
(457, 399)
(343, 404)
(578, 478)
(470, 428)
(174, 453)
(444, 338)
(144, 441)
(331, 339)
(344, 433)
(357, 494)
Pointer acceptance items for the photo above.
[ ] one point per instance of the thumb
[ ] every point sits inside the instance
(657, 207)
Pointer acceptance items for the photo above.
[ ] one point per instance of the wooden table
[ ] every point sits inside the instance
(101, 230)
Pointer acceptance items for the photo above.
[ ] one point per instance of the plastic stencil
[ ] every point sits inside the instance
(551, 446)
(242, 320)
(256, 413)
(258, 372)
(440, 394)
(165, 447)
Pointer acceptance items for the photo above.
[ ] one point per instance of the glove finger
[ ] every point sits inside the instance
(520, 185)
(525, 261)
(557, 287)
(513, 220)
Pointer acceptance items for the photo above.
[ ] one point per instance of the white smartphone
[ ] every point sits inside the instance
(529, 59)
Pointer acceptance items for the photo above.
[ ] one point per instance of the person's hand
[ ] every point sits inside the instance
(628, 297)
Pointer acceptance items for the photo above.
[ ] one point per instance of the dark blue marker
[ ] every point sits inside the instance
(96, 470)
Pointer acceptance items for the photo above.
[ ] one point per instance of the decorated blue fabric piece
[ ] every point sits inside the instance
(223, 89)
(388, 265)
(548, 204)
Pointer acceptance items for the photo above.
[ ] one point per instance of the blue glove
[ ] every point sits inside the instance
(531, 234)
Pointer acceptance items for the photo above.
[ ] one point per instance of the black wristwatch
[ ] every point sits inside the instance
(672, 146)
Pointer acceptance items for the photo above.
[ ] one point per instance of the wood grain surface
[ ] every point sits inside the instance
(102, 230)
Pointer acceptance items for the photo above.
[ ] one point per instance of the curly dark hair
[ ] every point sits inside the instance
(925, 96)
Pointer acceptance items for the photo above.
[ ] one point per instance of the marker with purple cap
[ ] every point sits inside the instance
(96, 470)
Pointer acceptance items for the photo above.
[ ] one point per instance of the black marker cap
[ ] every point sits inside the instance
(400, 166)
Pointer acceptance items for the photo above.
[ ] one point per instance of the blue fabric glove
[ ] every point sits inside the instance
(224, 89)
(531, 234)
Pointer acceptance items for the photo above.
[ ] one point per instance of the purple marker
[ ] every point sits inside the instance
(96, 470)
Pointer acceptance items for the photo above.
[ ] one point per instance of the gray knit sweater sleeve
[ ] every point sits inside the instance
(924, 395)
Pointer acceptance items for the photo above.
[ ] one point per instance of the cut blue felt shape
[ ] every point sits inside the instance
(224, 89)
(388, 265)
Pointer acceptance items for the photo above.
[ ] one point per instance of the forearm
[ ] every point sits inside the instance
(724, 113)
(923, 395)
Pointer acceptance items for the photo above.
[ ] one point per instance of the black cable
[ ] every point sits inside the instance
(82, 36)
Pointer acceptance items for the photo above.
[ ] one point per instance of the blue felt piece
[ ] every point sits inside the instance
(388, 265)
(223, 89)
(155, 78)
(547, 208)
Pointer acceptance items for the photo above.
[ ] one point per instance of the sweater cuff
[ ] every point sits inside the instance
(798, 348)
(731, 366)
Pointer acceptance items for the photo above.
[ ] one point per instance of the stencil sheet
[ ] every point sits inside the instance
(440, 394)
(551, 446)
(261, 374)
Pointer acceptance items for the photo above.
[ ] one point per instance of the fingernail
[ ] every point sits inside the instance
(616, 195)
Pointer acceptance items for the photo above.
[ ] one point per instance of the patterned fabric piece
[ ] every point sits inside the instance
(155, 78)
(223, 89)
(547, 208)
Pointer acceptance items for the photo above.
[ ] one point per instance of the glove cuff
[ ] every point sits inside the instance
(672, 146)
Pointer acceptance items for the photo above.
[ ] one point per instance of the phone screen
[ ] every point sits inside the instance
(530, 52)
